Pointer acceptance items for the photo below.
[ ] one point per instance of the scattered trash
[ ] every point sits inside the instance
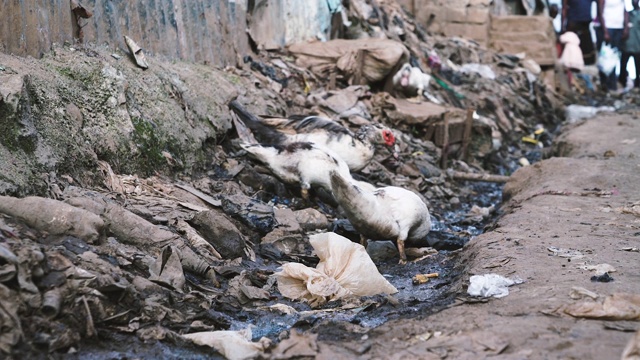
(632, 350)
(298, 345)
(491, 285)
(600, 269)
(565, 253)
(345, 270)
(605, 278)
(574, 112)
(419, 279)
(523, 161)
(233, 345)
(116, 56)
(362, 61)
(619, 306)
(136, 52)
(633, 209)
(630, 249)
(578, 293)
(483, 70)
(55, 217)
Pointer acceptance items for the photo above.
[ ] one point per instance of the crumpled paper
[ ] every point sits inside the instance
(234, 345)
(491, 285)
(619, 306)
(345, 269)
(632, 350)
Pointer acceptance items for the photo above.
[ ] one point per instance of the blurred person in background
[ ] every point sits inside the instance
(631, 45)
(611, 28)
(576, 17)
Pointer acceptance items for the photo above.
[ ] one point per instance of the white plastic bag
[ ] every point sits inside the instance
(608, 59)
(345, 269)
(571, 55)
(491, 285)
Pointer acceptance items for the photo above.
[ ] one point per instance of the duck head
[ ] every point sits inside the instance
(376, 134)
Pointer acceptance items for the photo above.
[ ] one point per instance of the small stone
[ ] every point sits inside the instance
(311, 219)
(284, 241)
(381, 250)
(286, 220)
(454, 201)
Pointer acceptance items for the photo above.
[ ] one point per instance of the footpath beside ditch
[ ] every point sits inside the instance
(562, 216)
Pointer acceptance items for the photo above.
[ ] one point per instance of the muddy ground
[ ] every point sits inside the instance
(582, 202)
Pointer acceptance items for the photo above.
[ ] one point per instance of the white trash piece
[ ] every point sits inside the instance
(345, 269)
(574, 112)
(483, 70)
(491, 285)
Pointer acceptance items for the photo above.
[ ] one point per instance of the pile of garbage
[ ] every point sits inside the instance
(200, 258)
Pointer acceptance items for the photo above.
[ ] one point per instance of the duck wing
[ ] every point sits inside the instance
(267, 134)
(407, 209)
(300, 163)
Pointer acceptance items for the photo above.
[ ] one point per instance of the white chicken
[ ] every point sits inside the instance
(303, 164)
(355, 149)
(413, 82)
(385, 213)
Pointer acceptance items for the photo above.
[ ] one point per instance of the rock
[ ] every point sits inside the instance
(381, 250)
(257, 215)
(284, 241)
(311, 219)
(286, 220)
(427, 169)
(111, 113)
(258, 181)
(220, 232)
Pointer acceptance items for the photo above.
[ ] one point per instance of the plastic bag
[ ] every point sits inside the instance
(345, 269)
(571, 55)
(608, 59)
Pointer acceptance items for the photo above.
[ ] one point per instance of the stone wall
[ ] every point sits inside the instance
(465, 18)
(202, 31)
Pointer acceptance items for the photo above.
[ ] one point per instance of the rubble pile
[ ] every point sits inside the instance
(161, 258)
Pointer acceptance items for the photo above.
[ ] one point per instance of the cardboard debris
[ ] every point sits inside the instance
(599, 269)
(55, 217)
(362, 61)
(345, 270)
(234, 345)
(167, 269)
(619, 306)
(136, 52)
(298, 345)
(632, 350)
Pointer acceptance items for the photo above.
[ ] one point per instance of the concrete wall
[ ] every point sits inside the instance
(463, 18)
(203, 31)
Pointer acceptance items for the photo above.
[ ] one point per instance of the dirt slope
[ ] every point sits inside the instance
(574, 202)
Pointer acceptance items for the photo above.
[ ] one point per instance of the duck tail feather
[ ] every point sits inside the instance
(244, 134)
(264, 132)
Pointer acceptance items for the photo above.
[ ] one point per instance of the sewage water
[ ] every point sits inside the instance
(337, 320)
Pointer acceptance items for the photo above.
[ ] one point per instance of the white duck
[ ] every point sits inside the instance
(413, 82)
(302, 163)
(384, 213)
(355, 149)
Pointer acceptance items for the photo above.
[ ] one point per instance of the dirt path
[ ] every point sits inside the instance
(573, 202)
